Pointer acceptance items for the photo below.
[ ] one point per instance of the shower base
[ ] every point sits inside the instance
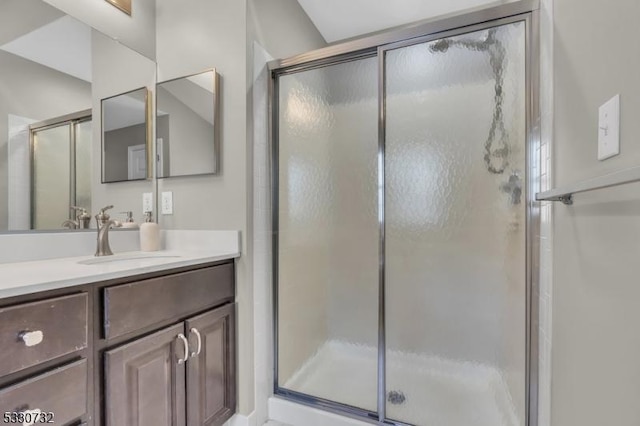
(426, 390)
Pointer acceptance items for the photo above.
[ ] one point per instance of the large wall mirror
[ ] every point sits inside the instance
(186, 128)
(125, 136)
(54, 70)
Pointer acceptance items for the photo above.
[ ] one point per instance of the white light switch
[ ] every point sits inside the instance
(609, 129)
(167, 202)
(147, 202)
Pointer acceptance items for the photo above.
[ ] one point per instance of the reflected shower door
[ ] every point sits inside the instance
(455, 229)
(51, 177)
(83, 158)
(328, 231)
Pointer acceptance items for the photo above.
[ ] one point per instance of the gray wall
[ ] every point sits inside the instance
(111, 78)
(31, 90)
(135, 31)
(216, 33)
(190, 137)
(282, 27)
(162, 130)
(596, 347)
(116, 150)
(221, 35)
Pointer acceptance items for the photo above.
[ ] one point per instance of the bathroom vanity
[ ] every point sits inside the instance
(135, 341)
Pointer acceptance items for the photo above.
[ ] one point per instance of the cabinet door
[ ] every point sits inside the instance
(145, 381)
(211, 373)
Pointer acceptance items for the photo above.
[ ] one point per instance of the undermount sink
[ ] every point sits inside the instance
(128, 257)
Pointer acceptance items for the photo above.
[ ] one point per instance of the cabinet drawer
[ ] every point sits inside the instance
(62, 391)
(36, 332)
(134, 306)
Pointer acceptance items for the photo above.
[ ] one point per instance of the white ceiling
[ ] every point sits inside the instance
(340, 19)
(64, 45)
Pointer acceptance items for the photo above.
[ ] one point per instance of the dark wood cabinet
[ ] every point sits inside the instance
(59, 324)
(134, 306)
(60, 395)
(211, 384)
(155, 349)
(145, 381)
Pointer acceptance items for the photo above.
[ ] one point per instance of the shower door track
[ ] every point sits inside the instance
(377, 45)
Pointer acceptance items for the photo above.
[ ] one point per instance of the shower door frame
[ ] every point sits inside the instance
(377, 45)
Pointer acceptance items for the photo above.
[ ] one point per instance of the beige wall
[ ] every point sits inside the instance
(595, 353)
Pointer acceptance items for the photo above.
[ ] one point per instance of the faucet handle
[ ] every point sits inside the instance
(81, 212)
(102, 217)
(104, 209)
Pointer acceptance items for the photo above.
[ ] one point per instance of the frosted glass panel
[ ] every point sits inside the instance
(328, 233)
(455, 230)
(51, 177)
(83, 164)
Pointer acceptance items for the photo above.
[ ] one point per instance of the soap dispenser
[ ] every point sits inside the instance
(149, 234)
(129, 223)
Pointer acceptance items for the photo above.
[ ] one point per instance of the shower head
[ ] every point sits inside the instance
(443, 45)
(440, 46)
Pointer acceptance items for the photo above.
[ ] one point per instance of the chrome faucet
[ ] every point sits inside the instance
(104, 224)
(83, 219)
(71, 224)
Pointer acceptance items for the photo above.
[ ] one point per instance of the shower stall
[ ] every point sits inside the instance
(404, 227)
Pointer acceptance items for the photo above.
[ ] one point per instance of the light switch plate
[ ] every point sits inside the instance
(609, 129)
(167, 202)
(147, 202)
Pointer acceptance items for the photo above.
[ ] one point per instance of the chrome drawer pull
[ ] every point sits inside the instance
(31, 338)
(186, 349)
(199, 346)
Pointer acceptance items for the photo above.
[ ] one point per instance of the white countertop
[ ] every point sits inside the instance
(19, 278)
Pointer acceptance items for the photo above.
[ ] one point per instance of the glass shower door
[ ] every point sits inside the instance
(83, 159)
(455, 229)
(61, 171)
(51, 195)
(328, 233)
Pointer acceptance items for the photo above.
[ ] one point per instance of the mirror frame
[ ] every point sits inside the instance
(148, 136)
(216, 121)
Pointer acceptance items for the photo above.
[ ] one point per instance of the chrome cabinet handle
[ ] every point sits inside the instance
(186, 349)
(31, 338)
(199, 344)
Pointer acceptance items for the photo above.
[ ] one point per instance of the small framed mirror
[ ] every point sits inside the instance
(186, 125)
(126, 137)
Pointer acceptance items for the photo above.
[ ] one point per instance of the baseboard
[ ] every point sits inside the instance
(241, 420)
